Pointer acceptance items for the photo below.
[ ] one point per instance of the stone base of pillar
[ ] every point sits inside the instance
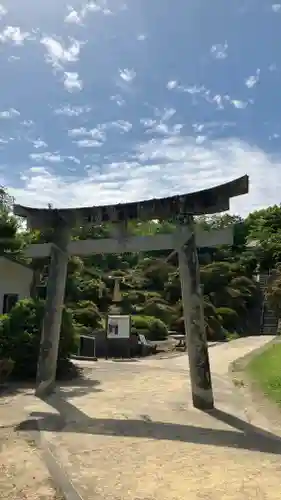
(204, 401)
(45, 389)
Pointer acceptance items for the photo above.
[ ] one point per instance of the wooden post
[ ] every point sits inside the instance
(196, 342)
(47, 362)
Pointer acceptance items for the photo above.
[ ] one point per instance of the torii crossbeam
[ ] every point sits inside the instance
(185, 241)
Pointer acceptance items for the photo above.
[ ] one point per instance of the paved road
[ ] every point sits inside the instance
(130, 432)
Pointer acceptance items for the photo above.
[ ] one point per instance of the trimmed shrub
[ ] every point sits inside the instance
(86, 313)
(229, 318)
(152, 328)
(20, 334)
(159, 309)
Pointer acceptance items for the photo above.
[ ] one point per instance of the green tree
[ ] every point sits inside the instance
(274, 292)
(10, 239)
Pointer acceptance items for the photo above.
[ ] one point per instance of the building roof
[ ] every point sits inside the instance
(13, 259)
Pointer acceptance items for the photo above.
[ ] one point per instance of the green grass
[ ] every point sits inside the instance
(265, 370)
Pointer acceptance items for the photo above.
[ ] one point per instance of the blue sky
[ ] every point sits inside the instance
(122, 100)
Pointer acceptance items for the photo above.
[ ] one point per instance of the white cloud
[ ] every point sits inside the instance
(274, 136)
(73, 17)
(252, 80)
(37, 170)
(164, 114)
(14, 35)
(127, 75)
(122, 125)
(190, 89)
(118, 99)
(239, 104)
(219, 51)
(72, 81)
(218, 100)
(77, 17)
(141, 37)
(74, 159)
(193, 89)
(58, 55)
(160, 128)
(200, 139)
(198, 92)
(27, 123)
(38, 143)
(88, 143)
(159, 125)
(10, 113)
(91, 7)
(96, 6)
(46, 156)
(198, 127)
(172, 84)
(276, 7)
(173, 165)
(13, 58)
(3, 11)
(95, 135)
(170, 130)
(72, 110)
(76, 132)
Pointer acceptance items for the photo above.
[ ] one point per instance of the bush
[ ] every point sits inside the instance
(229, 318)
(152, 328)
(83, 330)
(86, 313)
(159, 309)
(20, 334)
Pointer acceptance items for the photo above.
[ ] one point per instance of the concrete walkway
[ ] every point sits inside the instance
(130, 433)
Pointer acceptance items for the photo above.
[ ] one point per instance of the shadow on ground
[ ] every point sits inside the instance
(14, 388)
(79, 387)
(69, 418)
(125, 360)
(69, 388)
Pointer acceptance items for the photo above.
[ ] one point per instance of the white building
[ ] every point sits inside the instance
(15, 282)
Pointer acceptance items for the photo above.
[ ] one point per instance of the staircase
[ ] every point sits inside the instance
(269, 320)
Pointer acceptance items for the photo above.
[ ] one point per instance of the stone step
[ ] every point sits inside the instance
(269, 317)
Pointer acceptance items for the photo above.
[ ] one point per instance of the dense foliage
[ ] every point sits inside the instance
(20, 337)
(150, 282)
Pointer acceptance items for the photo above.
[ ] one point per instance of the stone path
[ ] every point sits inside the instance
(130, 432)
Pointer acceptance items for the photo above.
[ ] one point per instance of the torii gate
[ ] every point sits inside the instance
(184, 241)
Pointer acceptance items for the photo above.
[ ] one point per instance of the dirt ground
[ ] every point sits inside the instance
(23, 474)
(128, 430)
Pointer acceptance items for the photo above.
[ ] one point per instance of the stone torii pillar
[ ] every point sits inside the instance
(50, 336)
(193, 311)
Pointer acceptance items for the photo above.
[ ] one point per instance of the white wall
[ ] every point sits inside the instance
(14, 278)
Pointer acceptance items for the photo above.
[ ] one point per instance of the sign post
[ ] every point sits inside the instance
(118, 328)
